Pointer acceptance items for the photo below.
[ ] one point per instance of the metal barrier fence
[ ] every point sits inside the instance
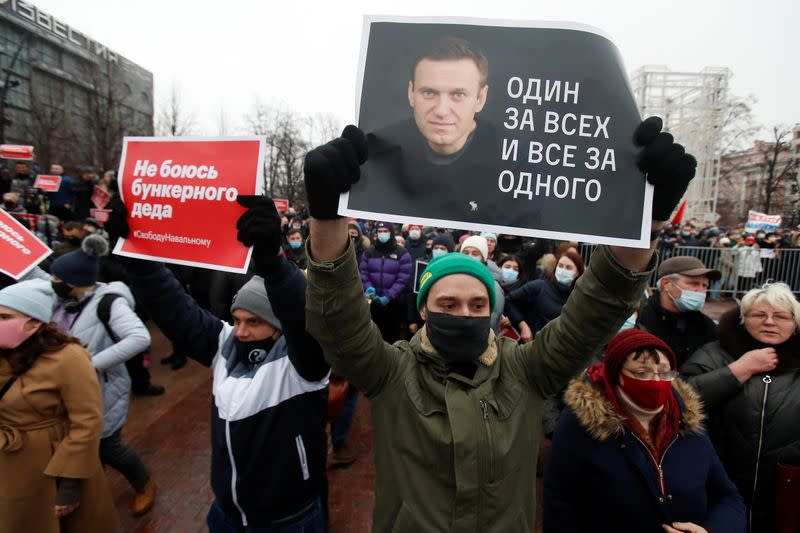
(742, 268)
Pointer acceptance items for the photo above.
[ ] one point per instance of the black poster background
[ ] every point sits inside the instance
(566, 55)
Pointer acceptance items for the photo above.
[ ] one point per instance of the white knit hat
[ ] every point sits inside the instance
(477, 242)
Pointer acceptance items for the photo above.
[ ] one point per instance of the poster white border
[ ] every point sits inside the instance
(344, 210)
(262, 148)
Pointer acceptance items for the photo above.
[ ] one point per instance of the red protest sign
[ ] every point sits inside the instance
(16, 151)
(100, 215)
(47, 182)
(510, 332)
(20, 250)
(281, 204)
(100, 197)
(181, 198)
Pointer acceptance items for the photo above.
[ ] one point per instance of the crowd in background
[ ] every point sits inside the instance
(533, 278)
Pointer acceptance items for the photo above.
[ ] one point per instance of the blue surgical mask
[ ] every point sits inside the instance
(564, 276)
(630, 322)
(689, 300)
(510, 275)
(414, 234)
(296, 245)
(438, 252)
(384, 237)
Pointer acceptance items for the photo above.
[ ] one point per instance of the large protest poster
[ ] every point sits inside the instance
(20, 250)
(513, 127)
(181, 198)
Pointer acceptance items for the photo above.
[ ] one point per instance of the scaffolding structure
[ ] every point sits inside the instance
(693, 106)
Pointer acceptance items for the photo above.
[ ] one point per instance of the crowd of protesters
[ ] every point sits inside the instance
(471, 347)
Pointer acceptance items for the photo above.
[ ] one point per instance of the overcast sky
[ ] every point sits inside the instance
(304, 54)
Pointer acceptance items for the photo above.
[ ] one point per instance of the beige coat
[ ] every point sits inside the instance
(50, 423)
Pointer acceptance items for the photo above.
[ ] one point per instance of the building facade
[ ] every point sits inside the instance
(69, 96)
(747, 181)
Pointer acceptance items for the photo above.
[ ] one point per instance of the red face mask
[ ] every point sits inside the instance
(649, 394)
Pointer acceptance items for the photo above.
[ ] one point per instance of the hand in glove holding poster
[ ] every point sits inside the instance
(667, 165)
(260, 227)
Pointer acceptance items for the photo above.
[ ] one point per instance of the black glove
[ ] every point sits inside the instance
(331, 169)
(667, 165)
(260, 227)
(117, 224)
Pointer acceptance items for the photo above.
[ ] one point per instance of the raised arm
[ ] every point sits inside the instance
(260, 227)
(175, 312)
(337, 313)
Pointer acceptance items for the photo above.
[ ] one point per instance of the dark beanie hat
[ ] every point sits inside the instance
(81, 267)
(628, 342)
(446, 240)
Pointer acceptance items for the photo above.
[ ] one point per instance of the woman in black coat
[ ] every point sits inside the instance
(749, 381)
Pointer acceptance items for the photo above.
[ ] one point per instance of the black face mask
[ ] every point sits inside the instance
(75, 241)
(253, 352)
(62, 289)
(459, 339)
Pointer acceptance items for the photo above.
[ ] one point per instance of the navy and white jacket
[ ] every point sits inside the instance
(268, 443)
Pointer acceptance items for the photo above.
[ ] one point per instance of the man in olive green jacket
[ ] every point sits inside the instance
(456, 431)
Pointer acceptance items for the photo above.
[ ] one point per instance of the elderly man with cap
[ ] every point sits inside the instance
(457, 411)
(673, 313)
(269, 410)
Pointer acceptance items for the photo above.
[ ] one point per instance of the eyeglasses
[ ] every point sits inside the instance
(777, 317)
(669, 375)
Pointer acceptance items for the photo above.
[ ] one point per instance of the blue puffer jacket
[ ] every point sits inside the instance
(387, 269)
(600, 477)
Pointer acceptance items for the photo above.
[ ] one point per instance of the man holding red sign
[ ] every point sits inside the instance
(268, 443)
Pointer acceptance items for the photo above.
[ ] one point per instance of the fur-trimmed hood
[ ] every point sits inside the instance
(599, 418)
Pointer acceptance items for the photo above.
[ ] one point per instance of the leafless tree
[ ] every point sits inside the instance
(777, 164)
(289, 136)
(173, 120)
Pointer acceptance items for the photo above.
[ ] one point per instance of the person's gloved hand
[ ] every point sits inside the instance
(260, 227)
(370, 294)
(332, 169)
(667, 165)
(117, 224)
(384, 300)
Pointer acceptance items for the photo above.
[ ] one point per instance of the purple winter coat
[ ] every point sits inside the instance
(387, 271)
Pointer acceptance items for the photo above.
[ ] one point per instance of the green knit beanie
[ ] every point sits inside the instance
(454, 263)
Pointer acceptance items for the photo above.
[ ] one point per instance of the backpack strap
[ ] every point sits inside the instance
(7, 385)
(104, 313)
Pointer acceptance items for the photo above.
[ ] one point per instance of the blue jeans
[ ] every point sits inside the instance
(308, 520)
(341, 425)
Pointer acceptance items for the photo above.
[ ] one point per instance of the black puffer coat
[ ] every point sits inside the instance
(737, 412)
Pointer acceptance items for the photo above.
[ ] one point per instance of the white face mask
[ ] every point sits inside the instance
(564, 276)
(414, 234)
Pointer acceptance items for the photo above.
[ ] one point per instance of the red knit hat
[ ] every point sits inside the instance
(628, 342)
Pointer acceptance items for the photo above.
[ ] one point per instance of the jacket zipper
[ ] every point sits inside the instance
(767, 380)
(233, 472)
(658, 464)
(490, 437)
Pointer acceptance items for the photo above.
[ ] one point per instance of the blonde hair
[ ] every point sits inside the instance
(776, 295)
